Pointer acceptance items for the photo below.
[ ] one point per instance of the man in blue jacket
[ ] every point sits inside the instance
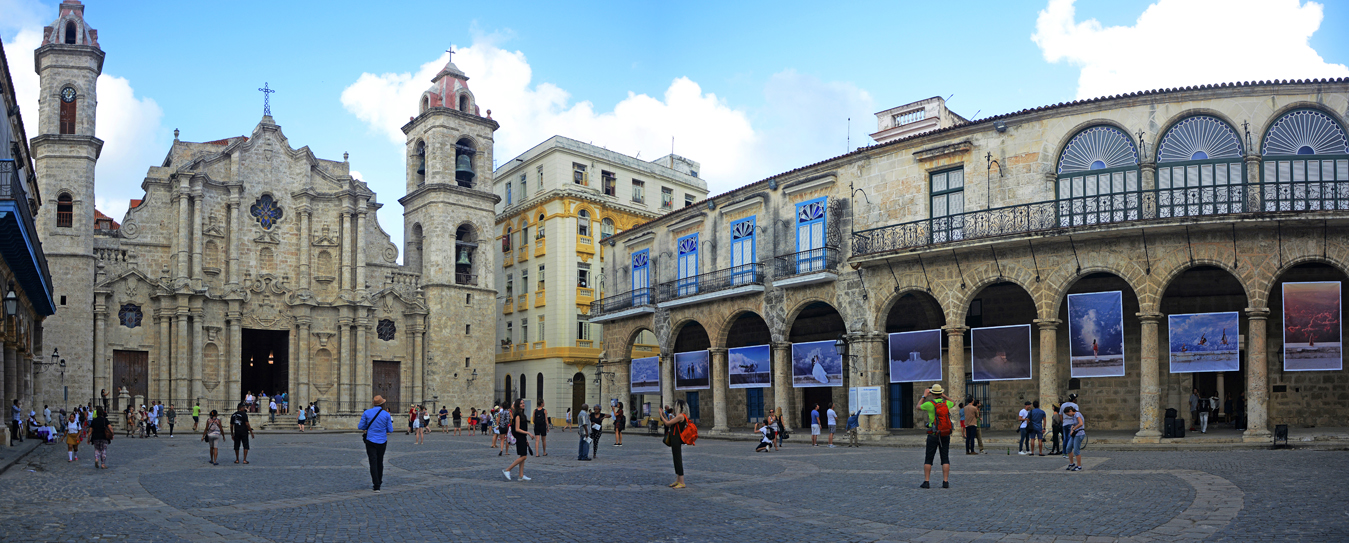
(376, 423)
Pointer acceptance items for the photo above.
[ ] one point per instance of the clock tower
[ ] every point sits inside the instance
(65, 152)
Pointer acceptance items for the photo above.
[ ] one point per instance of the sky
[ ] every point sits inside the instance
(750, 89)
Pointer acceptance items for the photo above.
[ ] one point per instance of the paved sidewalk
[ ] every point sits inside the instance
(11, 455)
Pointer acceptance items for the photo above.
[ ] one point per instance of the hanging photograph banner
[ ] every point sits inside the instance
(1000, 353)
(750, 367)
(915, 356)
(1204, 342)
(1311, 327)
(646, 375)
(816, 364)
(692, 371)
(1096, 334)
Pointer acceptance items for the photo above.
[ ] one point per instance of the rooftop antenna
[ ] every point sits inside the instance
(848, 146)
(948, 98)
(672, 152)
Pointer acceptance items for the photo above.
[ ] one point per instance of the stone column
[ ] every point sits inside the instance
(345, 253)
(1257, 376)
(418, 363)
(359, 240)
(197, 221)
(184, 229)
(1253, 197)
(161, 371)
(11, 377)
(299, 390)
(304, 251)
(363, 378)
(623, 382)
(666, 379)
(198, 344)
(1148, 170)
(1149, 386)
(234, 237)
(102, 375)
(719, 389)
(872, 347)
(782, 382)
(955, 358)
(7, 372)
(1049, 362)
(181, 353)
(236, 350)
(344, 365)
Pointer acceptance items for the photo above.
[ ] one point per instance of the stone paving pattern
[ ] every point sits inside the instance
(315, 487)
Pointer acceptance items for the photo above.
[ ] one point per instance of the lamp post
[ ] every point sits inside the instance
(11, 302)
(841, 347)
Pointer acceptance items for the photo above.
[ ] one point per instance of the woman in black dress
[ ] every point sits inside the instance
(519, 428)
(541, 429)
(596, 428)
(620, 422)
(674, 421)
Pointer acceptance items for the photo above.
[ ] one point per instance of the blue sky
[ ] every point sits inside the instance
(748, 88)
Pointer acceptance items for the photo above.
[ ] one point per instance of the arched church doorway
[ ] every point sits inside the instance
(578, 394)
(265, 362)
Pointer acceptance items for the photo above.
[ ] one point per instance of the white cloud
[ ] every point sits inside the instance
(129, 126)
(805, 118)
(357, 175)
(1186, 42)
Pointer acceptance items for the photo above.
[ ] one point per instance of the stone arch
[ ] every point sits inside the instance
(963, 301)
(790, 318)
(1169, 277)
(722, 337)
(680, 342)
(426, 103)
(1060, 291)
(895, 299)
(71, 33)
(325, 265)
(266, 260)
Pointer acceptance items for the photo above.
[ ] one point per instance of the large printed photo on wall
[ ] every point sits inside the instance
(692, 371)
(1096, 334)
(646, 375)
(1203, 342)
(816, 364)
(750, 367)
(1000, 353)
(1311, 327)
(915, 356)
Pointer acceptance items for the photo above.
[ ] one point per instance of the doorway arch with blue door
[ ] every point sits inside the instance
(912, 312)
(691, 337)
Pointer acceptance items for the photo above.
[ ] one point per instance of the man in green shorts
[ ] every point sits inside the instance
(939, 425)
(196, 415)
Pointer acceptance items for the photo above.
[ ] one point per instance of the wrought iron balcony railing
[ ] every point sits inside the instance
(824, 259)
(748, 274)
(466, 279)
(612, 304)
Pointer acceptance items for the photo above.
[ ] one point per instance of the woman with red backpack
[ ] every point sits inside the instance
(939, 410)
(676, 420)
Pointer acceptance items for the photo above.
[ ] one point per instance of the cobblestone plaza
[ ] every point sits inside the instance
(315, 487)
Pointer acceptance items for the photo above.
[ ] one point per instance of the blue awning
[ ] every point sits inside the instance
(24, 256)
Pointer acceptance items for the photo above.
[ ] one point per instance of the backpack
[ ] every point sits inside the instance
(689, 434)
(941, 423)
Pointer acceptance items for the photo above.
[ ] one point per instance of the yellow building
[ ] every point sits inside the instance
(559, 202)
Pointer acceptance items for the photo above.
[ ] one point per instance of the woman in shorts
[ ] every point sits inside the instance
(541, 429)
(214, 434)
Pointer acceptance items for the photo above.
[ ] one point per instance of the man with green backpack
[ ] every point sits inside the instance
(939, 410)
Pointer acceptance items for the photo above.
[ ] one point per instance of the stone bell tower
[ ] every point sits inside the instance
(65, 152)
(448, 219)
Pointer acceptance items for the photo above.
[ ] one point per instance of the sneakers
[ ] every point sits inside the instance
(1071, 466)
(1077, 468)
(1022, 453)
(831, 446)
(507, 474)
(524, 478)
(925, 485)
(946, 484)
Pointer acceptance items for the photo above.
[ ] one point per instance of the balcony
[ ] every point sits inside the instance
(585, 244)
(806, 267)
(508, 307)
(522, 302)
(727, 283)
(584, 295)
(634, 302)
(540, 247)
(19, 241)
(466, 279)
(539, 299)
(585, 343)
(508, 258)
(523, 254)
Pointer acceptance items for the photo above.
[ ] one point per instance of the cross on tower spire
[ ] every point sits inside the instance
(451, 52)
(266, 99)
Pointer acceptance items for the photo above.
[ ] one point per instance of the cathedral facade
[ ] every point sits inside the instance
(251, 265)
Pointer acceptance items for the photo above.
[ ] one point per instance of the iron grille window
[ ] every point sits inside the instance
(65, 211)
(1200, 169)
(1306, 165)
(948, 203)
(1098, 178)
(386, 330)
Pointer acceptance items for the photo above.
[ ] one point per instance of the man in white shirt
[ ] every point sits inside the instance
(832, 419)
(271, 409)
(1023, 446)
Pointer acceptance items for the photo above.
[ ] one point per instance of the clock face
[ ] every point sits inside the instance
(68, 94)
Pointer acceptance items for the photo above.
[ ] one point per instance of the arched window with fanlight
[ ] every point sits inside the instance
(1200, 169)
(583, 223)
(1098, 178)
(65, 211)
(606, 228)
(1306, 163)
